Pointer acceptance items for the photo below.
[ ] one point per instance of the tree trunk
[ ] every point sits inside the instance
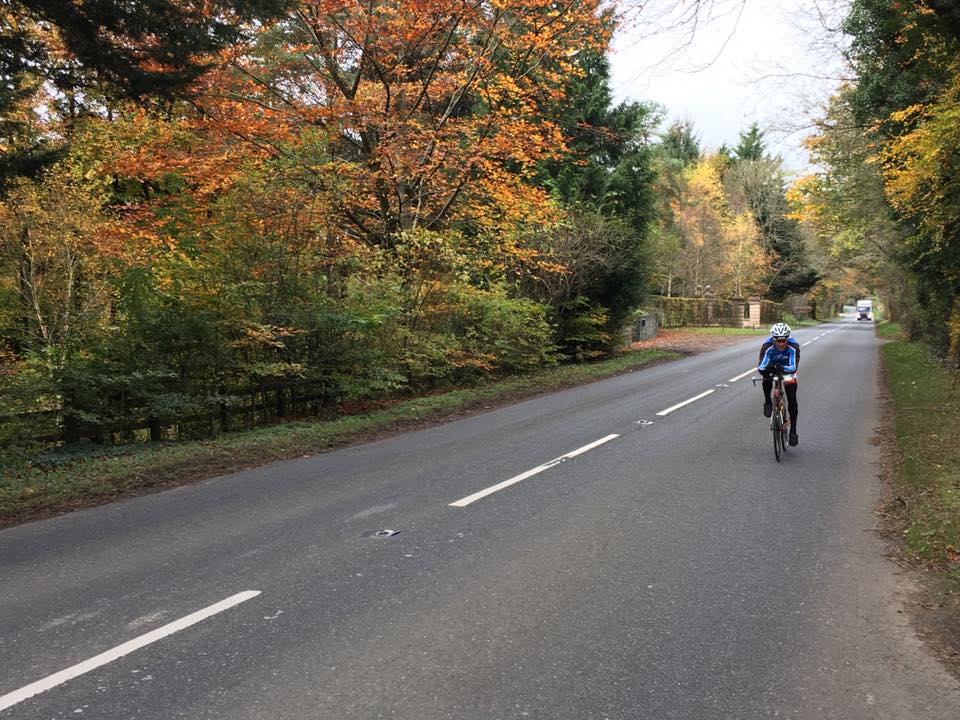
(156, 430)
(224, 412)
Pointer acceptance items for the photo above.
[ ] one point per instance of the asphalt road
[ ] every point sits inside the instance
(673, 570)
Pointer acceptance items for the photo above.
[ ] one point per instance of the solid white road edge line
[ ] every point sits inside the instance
(529, 473)
(685, 402)
(119, 651)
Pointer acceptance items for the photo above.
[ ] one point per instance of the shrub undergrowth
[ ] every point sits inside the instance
(77, 476)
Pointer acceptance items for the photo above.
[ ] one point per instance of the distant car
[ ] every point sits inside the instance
(863, 309)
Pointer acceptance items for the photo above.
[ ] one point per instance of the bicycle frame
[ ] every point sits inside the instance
(780, 418)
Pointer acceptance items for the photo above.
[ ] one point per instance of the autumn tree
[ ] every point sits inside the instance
(416, 117)
(89, 50)
(678, 148)
(52, 238)
(756, 184)
(721, 247)
(904, 98)
(431, 108)
(59, 248)
(843, 207)
(920, 169)
(900, 56)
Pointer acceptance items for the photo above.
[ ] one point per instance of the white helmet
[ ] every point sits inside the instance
(780, 330)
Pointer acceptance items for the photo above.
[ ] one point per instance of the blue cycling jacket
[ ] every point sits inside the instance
(788, 358)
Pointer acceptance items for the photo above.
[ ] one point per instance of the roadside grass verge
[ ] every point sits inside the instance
(715, 330)
(926, 403)
(793, 322)
(723, 330)
(888, 330)
(40, 486)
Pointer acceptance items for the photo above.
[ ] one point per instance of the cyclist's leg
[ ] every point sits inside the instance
(791, 389)
(767, 386)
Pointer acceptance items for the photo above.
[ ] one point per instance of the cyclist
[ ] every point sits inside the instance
(780, 352)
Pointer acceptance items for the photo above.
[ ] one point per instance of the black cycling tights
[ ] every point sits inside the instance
(791, 389)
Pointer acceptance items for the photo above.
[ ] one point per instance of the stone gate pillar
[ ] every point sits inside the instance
(754, 320)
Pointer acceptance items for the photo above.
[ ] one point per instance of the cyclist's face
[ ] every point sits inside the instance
(780, 342)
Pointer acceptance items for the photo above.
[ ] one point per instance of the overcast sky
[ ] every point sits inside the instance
(749, 60)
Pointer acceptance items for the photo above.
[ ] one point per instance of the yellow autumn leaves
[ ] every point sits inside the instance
(719, 242)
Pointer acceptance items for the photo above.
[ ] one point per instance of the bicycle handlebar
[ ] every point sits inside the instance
(776, 371)
(777, 375)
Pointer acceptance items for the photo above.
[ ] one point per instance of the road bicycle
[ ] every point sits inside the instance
(779, 419)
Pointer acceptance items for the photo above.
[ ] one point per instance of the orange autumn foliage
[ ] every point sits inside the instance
(429, 111)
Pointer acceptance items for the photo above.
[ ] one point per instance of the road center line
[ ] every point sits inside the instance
(742, 375)
(119, 651)
(685, 402)
(530, 473)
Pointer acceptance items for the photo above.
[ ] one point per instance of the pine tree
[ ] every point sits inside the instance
(141, 48)
(680, 143)
(751, 145)
(608, 172)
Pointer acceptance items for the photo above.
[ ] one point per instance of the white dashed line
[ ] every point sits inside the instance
(119, 651)
(685, 402)
(742, 375)
(530, 473)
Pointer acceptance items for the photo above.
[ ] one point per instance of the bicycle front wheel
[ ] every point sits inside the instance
(777, 436)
